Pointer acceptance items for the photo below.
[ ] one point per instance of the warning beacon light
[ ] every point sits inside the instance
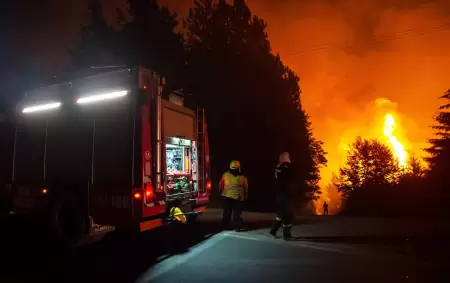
(41, 107)
(101, 97)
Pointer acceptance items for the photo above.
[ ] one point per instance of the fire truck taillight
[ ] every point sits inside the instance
(149, 191)
(137, 196)
(208, 185)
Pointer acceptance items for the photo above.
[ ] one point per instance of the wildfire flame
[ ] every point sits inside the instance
(379, 121)
(396, 146)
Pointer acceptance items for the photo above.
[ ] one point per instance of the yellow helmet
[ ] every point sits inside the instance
(235, 164)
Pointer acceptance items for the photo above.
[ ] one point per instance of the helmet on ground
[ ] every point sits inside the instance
(235, 164)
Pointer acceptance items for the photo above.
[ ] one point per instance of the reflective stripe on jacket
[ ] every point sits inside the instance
(234, 187)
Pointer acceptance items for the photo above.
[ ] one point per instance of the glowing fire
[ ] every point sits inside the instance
(378, 121)
(397, 148)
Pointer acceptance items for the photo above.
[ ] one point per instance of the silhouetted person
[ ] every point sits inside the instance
(325, 208)
(285, 212)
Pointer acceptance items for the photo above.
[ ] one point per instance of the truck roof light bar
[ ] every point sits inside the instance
(41, 107)
(101, 97)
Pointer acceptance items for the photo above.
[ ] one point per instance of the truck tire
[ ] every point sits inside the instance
(67, 223)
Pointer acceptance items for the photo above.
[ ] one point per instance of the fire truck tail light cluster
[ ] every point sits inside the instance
(149, 191)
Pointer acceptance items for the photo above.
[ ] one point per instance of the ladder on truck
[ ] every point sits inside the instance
(201, 152)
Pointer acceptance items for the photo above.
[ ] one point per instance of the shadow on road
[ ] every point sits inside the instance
(251, 225)
(122, 258)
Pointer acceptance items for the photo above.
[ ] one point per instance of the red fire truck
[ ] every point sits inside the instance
(108, 151)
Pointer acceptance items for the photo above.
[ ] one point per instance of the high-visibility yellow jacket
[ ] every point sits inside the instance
(235, 187)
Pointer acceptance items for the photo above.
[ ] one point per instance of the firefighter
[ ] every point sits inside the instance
(233, 187)
(285, 213)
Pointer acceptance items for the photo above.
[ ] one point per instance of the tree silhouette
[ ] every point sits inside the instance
(369, 164)
(252, 98)
(96, 46)
(414, 168)
(146, 37)
(439, 159)
(149, 39)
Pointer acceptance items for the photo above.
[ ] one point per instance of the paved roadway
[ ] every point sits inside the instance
(211, 255)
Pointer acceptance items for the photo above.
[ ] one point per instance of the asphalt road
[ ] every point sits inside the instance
(206, 254)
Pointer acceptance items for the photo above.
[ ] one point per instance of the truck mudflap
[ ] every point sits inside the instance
(96, 233)
(96, 229)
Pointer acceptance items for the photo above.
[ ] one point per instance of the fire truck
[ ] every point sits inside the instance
(108, 151)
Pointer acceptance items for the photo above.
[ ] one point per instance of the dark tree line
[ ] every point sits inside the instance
(224, 62)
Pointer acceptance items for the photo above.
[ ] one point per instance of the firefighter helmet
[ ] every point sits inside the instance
(235, 164)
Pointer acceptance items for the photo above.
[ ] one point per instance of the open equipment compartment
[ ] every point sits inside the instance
(180, 166)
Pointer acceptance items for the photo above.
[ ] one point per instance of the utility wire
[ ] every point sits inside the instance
(333, 46)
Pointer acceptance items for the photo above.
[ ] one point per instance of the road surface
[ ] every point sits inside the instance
(211, 255)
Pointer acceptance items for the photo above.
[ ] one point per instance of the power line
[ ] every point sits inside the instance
(333, 46)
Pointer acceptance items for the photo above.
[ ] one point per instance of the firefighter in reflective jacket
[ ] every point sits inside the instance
(285, 213)
(233, 187)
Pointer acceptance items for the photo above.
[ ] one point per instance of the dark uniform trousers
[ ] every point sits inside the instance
(284, 218)
(232, 211)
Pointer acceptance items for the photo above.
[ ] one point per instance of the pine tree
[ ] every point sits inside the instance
(439, 159)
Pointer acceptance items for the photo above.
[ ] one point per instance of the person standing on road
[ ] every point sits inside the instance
(285, 213)
(233, 187)
(325, 208)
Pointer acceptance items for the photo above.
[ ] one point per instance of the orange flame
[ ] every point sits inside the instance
(396, 146)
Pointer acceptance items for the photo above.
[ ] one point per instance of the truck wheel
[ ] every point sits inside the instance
(67, 222)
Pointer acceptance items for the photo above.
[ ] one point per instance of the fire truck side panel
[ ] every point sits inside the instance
(85, 150)
(115, 148)
(6, 153)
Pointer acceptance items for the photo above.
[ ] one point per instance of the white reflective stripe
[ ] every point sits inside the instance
(286, 226)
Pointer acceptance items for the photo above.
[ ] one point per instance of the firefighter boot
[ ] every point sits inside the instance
(276, 225)
(287, 232)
